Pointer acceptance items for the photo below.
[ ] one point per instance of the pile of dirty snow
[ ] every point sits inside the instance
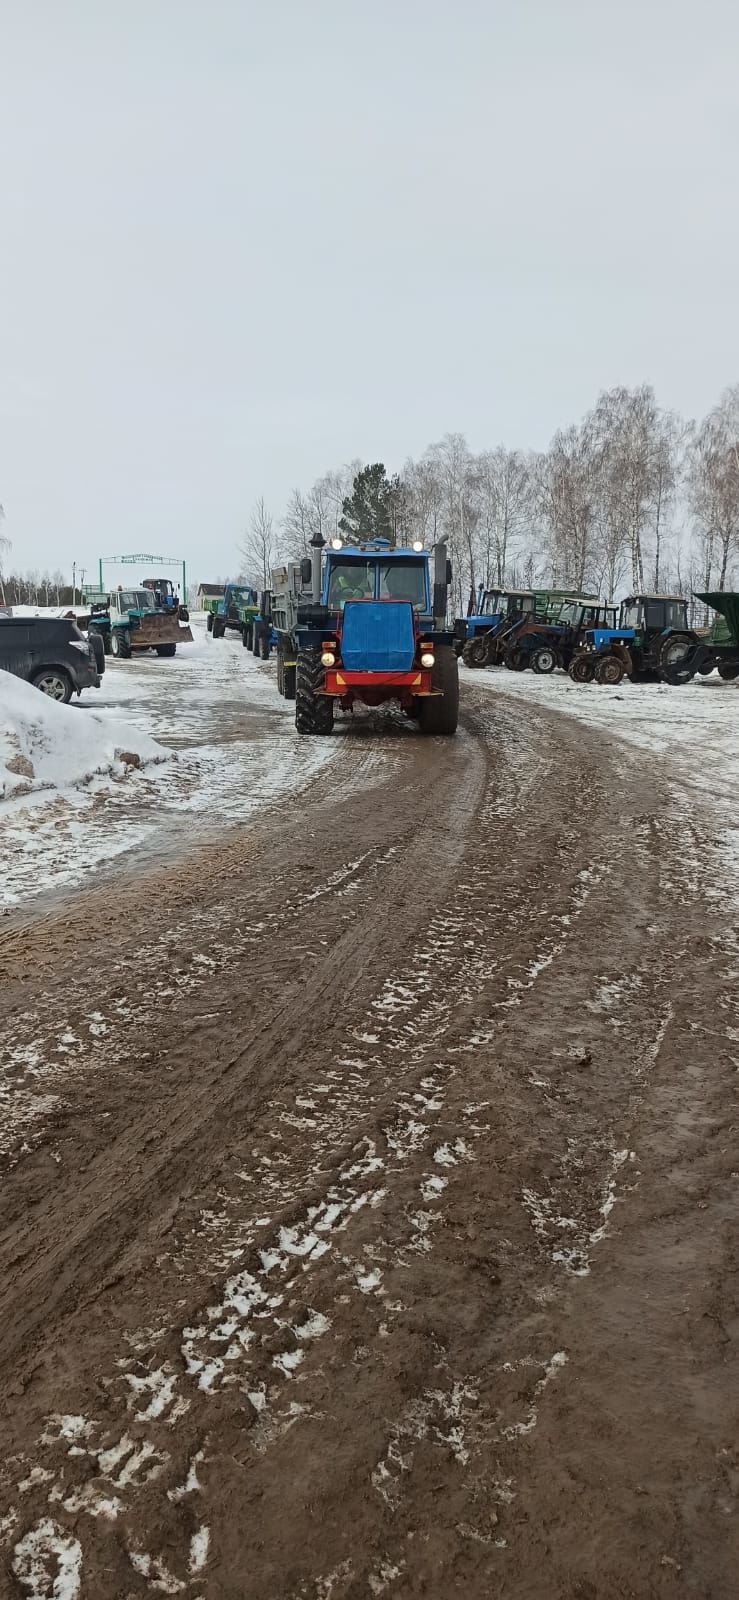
(48, 746)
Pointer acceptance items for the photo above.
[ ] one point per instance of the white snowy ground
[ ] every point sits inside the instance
(696, 726)
(215, 739)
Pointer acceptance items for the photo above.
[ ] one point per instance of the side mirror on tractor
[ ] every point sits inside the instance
(448, 573)
(306, 571)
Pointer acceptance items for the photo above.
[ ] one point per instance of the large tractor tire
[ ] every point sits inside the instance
(289, 680)
(219, 627)
(165, 649)
(264, 646)
(440, 713)
(120, 644)
(475, 652)
(673, 657)
(515, 660)
(729, 670)
(255, 640)
(209, 622)
(314, 712)
(246, 635)
(609, 670)
(544, 660)
(582, 669)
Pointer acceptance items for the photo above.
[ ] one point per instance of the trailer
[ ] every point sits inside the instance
(366, 623)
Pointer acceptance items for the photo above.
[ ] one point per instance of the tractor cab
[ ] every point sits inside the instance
(164, 592)
(376, 573)
(652, 614)
(132, 602)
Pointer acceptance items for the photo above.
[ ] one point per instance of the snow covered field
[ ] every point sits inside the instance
(213, 738)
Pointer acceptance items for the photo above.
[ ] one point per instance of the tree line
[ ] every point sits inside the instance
(631, 499)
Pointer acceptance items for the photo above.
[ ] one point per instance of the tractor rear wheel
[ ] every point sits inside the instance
(609, 669)
(581, 669)
(166, 649)
(255, 640)
(544, 660)
(289, 682)
(219, 627)
(475, 652)
(515, 660)
(440, 713)
(729, 670)
(314, 712)
(673, 656)
(246, 634)
(209, 622)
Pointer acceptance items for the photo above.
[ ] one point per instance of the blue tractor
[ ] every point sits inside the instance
(366, 623)
(653, 643)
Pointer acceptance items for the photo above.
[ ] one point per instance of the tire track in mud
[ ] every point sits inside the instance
(373, 1276)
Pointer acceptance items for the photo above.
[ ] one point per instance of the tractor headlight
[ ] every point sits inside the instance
(328, 658)
(427, 658)
(337, 544)
(417, 544)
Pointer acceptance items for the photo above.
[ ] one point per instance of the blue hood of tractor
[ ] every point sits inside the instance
(377, 636)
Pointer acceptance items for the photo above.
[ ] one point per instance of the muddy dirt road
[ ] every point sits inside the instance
(367, 1193)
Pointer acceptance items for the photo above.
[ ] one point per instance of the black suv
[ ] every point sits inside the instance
(51, 653)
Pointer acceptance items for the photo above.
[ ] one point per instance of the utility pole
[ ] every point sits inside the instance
(74, 583)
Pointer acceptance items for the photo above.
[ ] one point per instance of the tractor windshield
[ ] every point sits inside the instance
(350, 580)
(632, 616)
(491, 603)
(403, 580)
(135, 600)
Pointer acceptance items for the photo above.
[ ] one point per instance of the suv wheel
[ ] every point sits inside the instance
(54, 682)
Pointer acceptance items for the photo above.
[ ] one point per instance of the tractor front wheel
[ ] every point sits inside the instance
(120, 644)
(314, 712)
(209, 623)
(581, 669)
(475, 652)
(515, 660)
(729, 670)
(544, 660)
(610, 669)
(219, 627)
(165, 649)
(440, 713)
(246, 634)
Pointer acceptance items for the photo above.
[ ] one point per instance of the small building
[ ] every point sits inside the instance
(207, 591)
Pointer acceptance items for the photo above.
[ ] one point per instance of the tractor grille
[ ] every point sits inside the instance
(378, 636)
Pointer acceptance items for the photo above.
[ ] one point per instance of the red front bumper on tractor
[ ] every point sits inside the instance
(373, 688)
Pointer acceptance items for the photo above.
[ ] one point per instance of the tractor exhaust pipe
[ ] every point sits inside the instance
(316, 546)
(442, 579)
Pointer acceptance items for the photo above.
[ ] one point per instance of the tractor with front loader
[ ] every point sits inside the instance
(129, 621)
(366, 623)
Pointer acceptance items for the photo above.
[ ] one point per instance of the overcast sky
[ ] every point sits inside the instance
(243, 242)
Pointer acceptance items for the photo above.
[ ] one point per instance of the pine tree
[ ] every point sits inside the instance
(368, 512)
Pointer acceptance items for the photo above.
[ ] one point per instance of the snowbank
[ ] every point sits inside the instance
(48, 746)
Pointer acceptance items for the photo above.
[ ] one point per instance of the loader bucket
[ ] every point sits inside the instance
(159, 627)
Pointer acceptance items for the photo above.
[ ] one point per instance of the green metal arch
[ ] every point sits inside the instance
(143, 559)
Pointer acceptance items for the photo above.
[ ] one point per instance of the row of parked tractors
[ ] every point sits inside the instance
(648, 638)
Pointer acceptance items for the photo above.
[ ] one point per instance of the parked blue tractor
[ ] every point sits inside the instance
(653, 643)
